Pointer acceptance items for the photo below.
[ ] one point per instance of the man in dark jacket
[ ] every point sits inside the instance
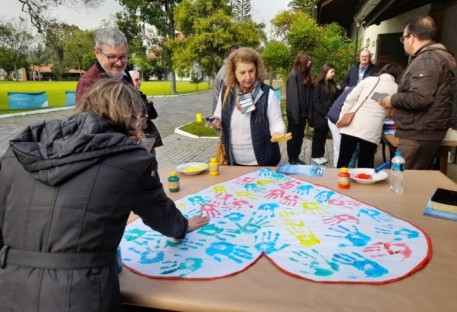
(423, 104)
(365, 68)
(67, 188)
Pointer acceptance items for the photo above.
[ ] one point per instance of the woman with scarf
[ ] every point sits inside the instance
(248, 112)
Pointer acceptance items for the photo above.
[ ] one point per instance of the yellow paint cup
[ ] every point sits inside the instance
(198, 117)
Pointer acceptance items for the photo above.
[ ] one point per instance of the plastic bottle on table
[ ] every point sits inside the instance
(213, 167)
(173, 182)
(343, 178)
(396, 173)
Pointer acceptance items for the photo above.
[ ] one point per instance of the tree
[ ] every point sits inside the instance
(38, 55)
(327, 43)
(305, 6)
(38, 10)
(57, 37)
(207, 32)
(277, 58)
(15, 40)
(159, 13)
(241, 10)
(78, 52)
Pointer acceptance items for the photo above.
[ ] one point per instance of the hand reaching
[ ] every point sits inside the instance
(197, 222)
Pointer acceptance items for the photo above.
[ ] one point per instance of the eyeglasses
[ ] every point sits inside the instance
(113, 58)
(402, 38)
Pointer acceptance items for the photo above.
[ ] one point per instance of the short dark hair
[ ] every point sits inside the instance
(395, 70)
(422, 27)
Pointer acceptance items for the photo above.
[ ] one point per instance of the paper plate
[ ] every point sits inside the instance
(357, 175)
(192, 168)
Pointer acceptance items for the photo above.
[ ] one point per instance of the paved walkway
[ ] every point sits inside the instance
(174, 111)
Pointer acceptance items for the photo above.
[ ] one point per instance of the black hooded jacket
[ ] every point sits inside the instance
(67, 188)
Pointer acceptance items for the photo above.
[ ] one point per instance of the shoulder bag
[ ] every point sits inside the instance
(347, 117)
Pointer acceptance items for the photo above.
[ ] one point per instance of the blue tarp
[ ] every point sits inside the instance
(20, 100)
(70, 98)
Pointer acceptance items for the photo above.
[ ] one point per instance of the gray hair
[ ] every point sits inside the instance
(366, 50)
(110, 37)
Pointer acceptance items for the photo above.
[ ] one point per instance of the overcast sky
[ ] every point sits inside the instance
(262, 11)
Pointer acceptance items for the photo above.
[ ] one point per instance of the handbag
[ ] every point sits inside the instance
(221, 152)
(347, 117)
(345, 120)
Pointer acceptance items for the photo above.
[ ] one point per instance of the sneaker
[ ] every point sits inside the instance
(296, 161)
(317, 161)
(323, 160)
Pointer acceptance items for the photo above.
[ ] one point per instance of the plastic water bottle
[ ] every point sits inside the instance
(396, 173)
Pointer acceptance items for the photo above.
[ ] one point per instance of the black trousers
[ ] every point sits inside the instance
(347, 148)
(318, 146)
(298, 133)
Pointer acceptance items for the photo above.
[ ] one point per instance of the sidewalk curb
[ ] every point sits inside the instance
(190, 135)
(43, 111)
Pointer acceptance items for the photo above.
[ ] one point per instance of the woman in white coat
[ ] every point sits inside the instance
(366, 126)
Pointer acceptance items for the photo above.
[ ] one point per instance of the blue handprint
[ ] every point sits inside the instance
(252, 226)
(268, 243)
(219, 232)
(303, 189)
(405, 232)
(185, 244)
(356, 237)
(264, 172)
(317, 263)
(198, 200)
(151, 256)
(369, 267)
(189, 264)
(253, 187)
(375, 215)
(269, 207)
(234, 216)
(323, 196)
(232, 252)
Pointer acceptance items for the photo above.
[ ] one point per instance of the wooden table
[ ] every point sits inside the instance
(391, 142)
(263, 287)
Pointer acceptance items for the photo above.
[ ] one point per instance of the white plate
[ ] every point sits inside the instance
(381, 175)
(192, 168)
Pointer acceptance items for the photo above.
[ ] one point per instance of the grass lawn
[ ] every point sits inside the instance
(55, 90)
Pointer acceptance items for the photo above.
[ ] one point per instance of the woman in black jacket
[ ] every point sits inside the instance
(299, 97)
(67, 188)
(325, 93)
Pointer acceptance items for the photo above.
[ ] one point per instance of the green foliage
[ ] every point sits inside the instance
(134, 32)
(276, 55)
(241, 10)
(326, 43)
(208, 33)
(199, 129)
(15, 39)
(306, 6)
(78, 52)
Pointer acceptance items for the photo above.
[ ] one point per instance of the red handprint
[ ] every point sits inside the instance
(210, 210)
(381, 249)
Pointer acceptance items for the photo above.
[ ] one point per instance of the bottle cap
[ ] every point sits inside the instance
(213, 160)
(398, 153)
(344, 169)
(172, 173)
